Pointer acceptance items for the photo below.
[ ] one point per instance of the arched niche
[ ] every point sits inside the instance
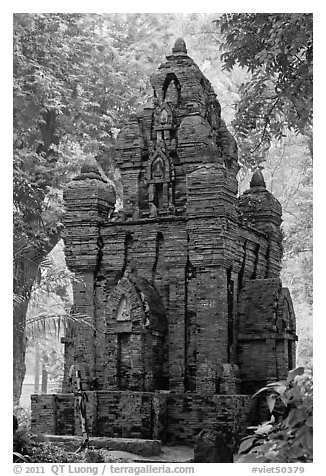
(158, 171)
(135, 331)
(286, 311)
(286, 323)
(171, 89)
(160, 175)
(164, 120)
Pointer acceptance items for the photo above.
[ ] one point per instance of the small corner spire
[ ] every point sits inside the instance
(179, 46)
(257, 179)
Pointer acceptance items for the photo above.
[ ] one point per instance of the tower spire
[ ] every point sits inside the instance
(257, 179)
(179, 46)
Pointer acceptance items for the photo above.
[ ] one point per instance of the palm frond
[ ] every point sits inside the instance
(18, 299)
(42, 324)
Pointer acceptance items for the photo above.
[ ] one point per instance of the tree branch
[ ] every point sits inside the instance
(265, 126)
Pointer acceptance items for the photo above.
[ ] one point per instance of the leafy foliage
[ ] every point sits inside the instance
(36, 450)
(43, 452)
(289, 176)
(33, 448)
(277, 50)
(273, 127)
(288, 437)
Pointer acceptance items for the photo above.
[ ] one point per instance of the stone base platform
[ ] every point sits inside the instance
(131, 445)
(123, 416)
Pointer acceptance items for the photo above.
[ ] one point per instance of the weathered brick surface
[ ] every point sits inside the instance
(111, 414)
(188, 414)
(53, 413)
(182, 285)
(171, 417)
(266, 333)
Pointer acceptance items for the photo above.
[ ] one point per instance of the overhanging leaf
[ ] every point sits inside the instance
(247, 443)
(294, 373)
(271, 402)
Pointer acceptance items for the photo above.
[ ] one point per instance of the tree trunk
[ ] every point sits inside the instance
(44, 385)
(19, 350)
(25, 272)
(26, 269)
(48, 131)
(37, 370)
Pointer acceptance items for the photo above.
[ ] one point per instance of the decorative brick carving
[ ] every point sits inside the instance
(182, 286)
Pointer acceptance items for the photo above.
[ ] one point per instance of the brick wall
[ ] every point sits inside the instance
(111, 414)
(53, 414)
(266, 333)
(171, 417)
(189, 413)
(187, 263)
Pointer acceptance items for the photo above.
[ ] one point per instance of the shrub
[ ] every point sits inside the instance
(286, 437)
(43, 452)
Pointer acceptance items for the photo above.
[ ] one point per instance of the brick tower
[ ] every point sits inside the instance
(182, 286)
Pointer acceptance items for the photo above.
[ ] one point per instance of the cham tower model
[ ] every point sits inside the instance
(189, 316)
